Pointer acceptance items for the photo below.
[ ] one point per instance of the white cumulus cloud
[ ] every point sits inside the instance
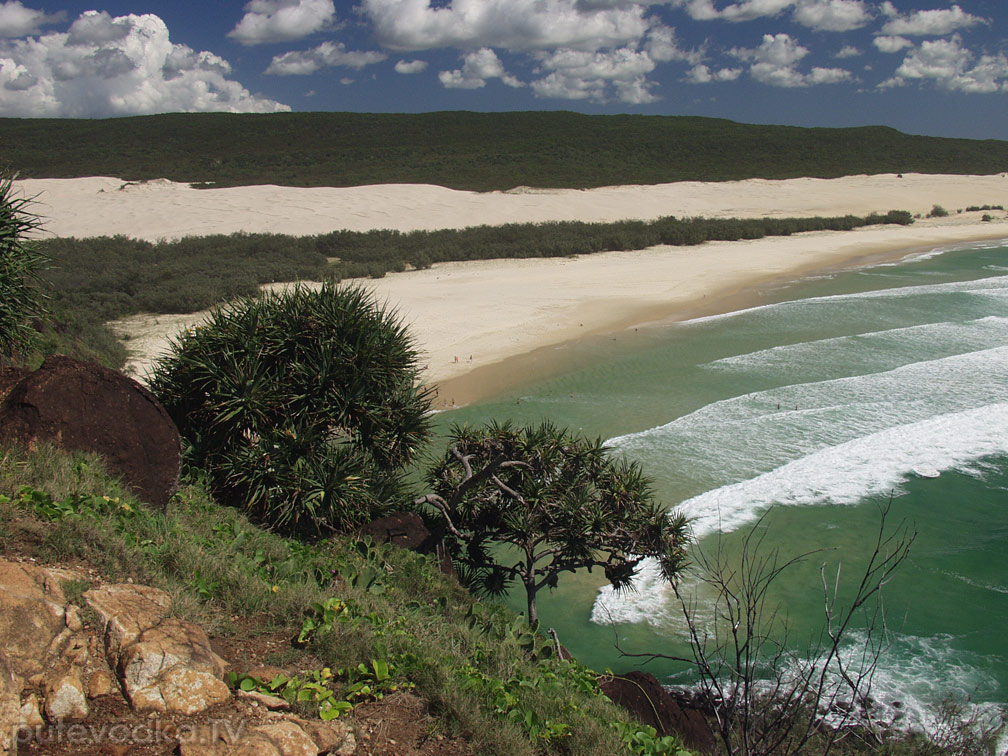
(577, 74)
(411, 66)
(775, 63)
(662, 46)
(282, 20)
(109, 66)
(18, 21)
(949, 65)
(506, 24)
(477, 67)
(832, 15)
(701, 74)
(821, 15)
(848, 51)
(327, 54)
(888, 44)
(931, 23)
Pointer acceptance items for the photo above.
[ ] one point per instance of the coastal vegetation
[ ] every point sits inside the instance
(20, 274)
(303, 407)
(370, 620)
(558, 502)
(351, 603)
(95, 280)
(475, 151)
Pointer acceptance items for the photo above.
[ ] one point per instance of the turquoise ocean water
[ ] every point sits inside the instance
(830, 396)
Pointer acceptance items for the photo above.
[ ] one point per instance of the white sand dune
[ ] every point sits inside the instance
(493, 310)
(164, 210)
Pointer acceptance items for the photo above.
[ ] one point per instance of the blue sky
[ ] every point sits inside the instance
(921, 66)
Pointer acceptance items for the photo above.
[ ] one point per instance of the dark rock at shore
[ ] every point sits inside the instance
(82, 406)
(643, 696)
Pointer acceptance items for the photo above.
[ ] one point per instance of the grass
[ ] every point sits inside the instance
(476, 151)
(481, 671)
(372, 619)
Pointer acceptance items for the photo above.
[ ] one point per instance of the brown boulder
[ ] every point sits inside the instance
(648, 702)
(403, 529)
(65, 699)
(83, 406)
(9, 377)
(288, 738)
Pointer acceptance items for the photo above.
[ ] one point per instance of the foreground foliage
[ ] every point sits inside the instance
(22, 298)
(369, 617)
(556, 501)
(478, 151)
(302, 406)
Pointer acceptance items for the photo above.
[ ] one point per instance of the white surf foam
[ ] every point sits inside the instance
(870, 351)
(867, 466)
(737, 439)
(982, 285)
(939, 251)
(870, 465)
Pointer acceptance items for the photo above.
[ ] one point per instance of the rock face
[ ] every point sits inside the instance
(9, 376)
(643, 696)
(285, 736)
(83, 406)
(51, 663)
(10, 709)
(33, 617)
(163, 663)
(403, 529)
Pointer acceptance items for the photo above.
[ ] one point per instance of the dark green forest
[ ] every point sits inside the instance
(474, 151)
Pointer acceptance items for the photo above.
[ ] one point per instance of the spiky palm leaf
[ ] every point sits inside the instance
(303, 405)
(22, 298)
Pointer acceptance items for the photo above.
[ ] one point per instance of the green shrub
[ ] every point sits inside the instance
(937, 211)
(303, 406)
(21, 296)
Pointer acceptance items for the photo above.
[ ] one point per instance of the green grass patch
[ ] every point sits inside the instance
(370, 619)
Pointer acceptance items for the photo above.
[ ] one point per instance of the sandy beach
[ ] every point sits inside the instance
(469, 316)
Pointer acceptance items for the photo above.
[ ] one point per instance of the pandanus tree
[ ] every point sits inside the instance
(526, 504)
(22, 298)
(303, 406)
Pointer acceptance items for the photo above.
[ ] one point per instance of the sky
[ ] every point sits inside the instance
(921, 66)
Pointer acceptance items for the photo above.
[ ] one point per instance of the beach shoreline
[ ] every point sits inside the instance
(485, 326)
(480, 338)
(508, 374)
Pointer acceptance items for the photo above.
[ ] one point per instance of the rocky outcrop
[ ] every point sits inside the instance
(10, 709)
(33, 618)
(283, 736)
(44, 649)
(83, 406)
(403, 529)
(9, 377)
(53, 665)
(643, 696)
(164, 664)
